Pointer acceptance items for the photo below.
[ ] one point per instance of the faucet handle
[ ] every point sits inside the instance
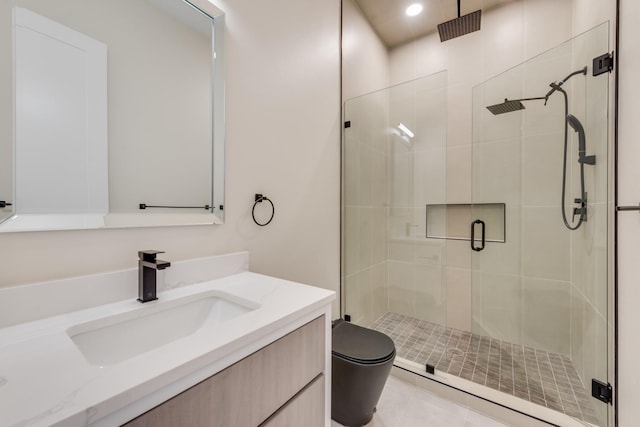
(149, 255)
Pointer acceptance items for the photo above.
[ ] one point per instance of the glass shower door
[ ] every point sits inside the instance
(394, 165)
(541, 292)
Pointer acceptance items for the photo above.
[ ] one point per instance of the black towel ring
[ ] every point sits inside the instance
(259, 199)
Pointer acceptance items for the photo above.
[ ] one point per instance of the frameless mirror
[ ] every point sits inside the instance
(111, 114)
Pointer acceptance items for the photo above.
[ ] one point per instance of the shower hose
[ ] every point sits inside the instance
(583, 199)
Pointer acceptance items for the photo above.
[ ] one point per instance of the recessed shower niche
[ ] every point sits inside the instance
(477, 223)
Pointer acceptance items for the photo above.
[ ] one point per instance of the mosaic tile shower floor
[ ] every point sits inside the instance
(546, 379)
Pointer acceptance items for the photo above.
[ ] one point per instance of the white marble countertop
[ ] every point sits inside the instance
(45, 380)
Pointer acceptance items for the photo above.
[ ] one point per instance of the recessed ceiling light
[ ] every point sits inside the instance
(414, 9)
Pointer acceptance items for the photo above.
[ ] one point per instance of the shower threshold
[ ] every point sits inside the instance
(546, 379)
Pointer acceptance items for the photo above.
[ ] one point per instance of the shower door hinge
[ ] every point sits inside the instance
(603, 64)
(602, 391)
(347, 124)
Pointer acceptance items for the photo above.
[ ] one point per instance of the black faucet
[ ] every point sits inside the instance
(147, 266)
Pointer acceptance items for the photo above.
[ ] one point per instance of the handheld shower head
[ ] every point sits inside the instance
(575, 123)
(577, 126)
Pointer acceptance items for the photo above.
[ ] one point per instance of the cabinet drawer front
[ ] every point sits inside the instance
(306, 409)
(248, 392)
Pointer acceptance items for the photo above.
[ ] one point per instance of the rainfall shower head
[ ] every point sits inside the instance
(511, 105)
(505, 107)
(515, 104)
(460, 26)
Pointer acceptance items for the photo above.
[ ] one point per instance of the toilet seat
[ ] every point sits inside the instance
(360, 345)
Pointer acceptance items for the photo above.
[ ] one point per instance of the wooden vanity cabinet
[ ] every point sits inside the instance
(280, 385)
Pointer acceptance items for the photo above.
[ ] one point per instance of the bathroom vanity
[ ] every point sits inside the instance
(281, 383)
(221, 346)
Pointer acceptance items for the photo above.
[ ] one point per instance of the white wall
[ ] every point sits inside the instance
(365, 58)
(283, 140)
(628, 222)
(6, 115)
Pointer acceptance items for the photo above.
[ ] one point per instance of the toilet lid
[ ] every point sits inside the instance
(360, 344)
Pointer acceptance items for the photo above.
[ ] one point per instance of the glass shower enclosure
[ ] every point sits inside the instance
(509, 289)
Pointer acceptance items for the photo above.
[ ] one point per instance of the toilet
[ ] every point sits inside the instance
(361, 360)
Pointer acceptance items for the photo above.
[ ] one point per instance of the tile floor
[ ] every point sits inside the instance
(406, 405)
(543, 378)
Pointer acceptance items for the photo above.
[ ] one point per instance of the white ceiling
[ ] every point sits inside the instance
(394, 27)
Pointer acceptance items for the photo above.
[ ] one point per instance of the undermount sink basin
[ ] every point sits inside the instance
(116, 338)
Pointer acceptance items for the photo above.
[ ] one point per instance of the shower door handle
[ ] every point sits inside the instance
(473, 235)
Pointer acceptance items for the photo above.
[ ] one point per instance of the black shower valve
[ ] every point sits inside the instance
(587, 160)
(577, 211)
(581, 210)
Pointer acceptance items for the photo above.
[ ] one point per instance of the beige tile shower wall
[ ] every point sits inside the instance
(417, 278)
(512, 153)
(542, 253)
(365, 195)
(365, 69)
(510, 34)
(283, 140)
